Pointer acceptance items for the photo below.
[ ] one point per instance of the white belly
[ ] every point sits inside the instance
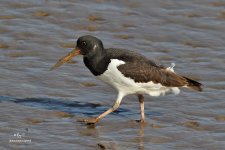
(116, 79)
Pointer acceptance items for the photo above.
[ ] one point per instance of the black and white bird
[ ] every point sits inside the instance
(128, 72)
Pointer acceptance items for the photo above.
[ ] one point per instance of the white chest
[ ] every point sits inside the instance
(115, 78)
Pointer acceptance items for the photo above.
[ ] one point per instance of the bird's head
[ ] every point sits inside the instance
(87, 46)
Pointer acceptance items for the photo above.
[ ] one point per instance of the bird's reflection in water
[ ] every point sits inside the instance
(98, 132)
(88, 130)
(141, 137)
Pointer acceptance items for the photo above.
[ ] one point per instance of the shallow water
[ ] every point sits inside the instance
(44, 106)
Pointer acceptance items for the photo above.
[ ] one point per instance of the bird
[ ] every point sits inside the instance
(128, 72)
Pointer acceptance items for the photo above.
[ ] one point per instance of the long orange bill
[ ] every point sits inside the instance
(66, 58)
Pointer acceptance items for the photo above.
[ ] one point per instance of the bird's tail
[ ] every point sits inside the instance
(193, 84)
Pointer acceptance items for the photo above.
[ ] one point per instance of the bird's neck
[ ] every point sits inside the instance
(97, 63)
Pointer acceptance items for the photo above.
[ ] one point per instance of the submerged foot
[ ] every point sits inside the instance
(142, 122)
(88, 120)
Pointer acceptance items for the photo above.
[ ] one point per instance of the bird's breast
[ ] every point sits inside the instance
(115, 78)
(97, 65)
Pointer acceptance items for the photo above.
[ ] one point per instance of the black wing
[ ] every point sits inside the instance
(142, 72)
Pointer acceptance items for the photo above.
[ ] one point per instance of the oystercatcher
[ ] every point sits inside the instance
(128, 72)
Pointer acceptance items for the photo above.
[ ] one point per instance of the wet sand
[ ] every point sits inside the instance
(43, 106)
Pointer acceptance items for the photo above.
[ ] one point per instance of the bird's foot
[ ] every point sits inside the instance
(89, 120)
(142, 122)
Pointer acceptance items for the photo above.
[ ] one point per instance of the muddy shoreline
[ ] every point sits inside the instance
(43, 106)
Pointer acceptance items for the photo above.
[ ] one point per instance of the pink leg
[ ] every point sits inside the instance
(141, 100)
(95, 120)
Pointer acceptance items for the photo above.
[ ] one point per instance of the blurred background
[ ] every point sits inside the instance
(44, 105)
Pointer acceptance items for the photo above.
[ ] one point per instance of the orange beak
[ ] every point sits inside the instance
(66, 58)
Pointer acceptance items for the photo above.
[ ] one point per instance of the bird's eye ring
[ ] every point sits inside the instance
(84, 43)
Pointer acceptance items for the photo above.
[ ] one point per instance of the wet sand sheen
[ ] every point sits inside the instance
(44, 106)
